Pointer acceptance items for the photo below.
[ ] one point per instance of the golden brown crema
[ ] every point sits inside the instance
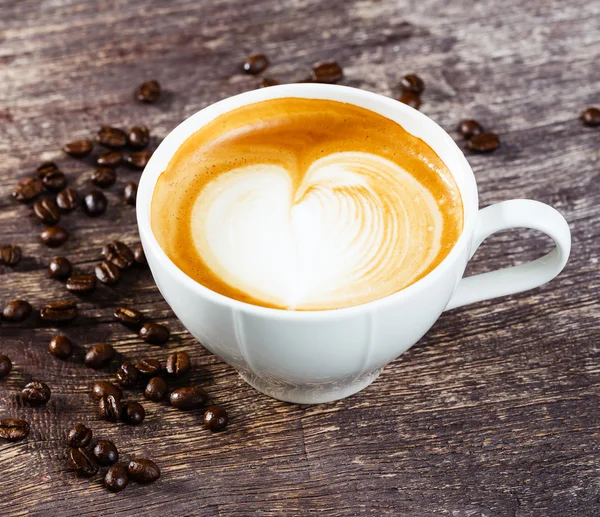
(306, 204)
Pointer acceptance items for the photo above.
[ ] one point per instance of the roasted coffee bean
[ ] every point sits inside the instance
(78, 148)
(412, 83)
(17, 311)
(130, 193)
(59, 312)
(104, 177)
(67, 199)
(139, 256)
(129, 317)
(60, 268)
(61, 347)
(118, 253)
(36, 393)
(79, 436)
(410, 99)
(148, 91)
(116, 478)
(109, 408)
(156, 389)
(111, 137)
(10, 255)
(107, 273)
(215, 418)
(139, 159)
(178, 364)
(149, 367)
(143, 470)
(28, 189)
(94, 203)
(110, 159)
(328, 72)
(13, 430)
(106, 453)
(591, 117)
(5, 365)
(99, 355)
(46, 168)
(484, 142)
(255, 64)
(104, 388)
(190, 397)
(133, 413)
(54, 181)
(468, 128)
(127, 376)
(155, 333)
(83, 462)
(46, 210)
(138, 137)
(81, 284)
(54, 236)
(268, 81)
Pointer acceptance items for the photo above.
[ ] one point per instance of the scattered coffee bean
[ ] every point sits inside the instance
(46, 210)
(54, 236)
(591, 117)
(190, 397)
(109, 408)
(484, 142)
(133, 413)
(60, 268)
(46, 168)
(83, 462)
(328, 72)
(468, 128)
(139, 159)
(67, 199)
(118, 253)
(104, 388)
(13, 430)
(138, 137)
(215, 418)
(110, 159)
(154, 333)
(54, 181)
(79, 436)
(59, 312)
(106, 453)
(148, 91)
(104, 177)
(28, 189)
(10, 255)
(127, 376)
(61, 347)
(111, 137)
(36, 393)
(107, 273)
(5, 365)
(143, 470)
(410, 99)
(78, 148)
(129, 317)
(178, 364)
(17, 311)
(412, 83)
(149, 367)
(139, 256)
(255, 64)
(268, 81)
(130, 193)
(99, 355)
(116, 478)
(156, 389)
(81, 284)
(94, 203)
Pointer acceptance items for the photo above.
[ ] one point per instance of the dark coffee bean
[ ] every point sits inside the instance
(591, 117)
(99, 355)
(127, 376)
(46, 210)
(133, 413)
(256, 64)
(484, 142)
(17, 311)
(410, 99)
(81, 284)
(156, 389)
(110, 159)
(116, 478)
(190, 397)
(10, 255)
(61, 347)
(468, 128)
(155, 333)
(94, 203)
(36, 393)
(83, 462)
(139, 256)
(5, 365)
(54, 181)
(78, 148)
(129, 317)
(107, 273)
(329, 72)
(178, 364)
(59, 312)
(79, 436)
(54, 236)
(143, 470)
(109, 408)
(149, 367)
(104, 388)
(138, 137)
(111, 137)
(139, 159)
(46, 168)
(106, 453)
(104, 177)
(130, 193)
(60, 268)
(118, 253)
(28, 189)
(148, 91)
(13, 430)
(215, 418)
(412, 83)
(67, 199)
(268, 81)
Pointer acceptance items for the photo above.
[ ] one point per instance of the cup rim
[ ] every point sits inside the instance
(187, 127)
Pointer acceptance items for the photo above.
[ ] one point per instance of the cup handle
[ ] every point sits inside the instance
(516, 213)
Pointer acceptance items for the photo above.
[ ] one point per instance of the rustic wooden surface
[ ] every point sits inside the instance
(494, 413)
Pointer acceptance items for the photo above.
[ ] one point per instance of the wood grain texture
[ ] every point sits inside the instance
(494, 413)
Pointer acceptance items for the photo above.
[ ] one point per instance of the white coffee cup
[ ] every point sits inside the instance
(310, 357)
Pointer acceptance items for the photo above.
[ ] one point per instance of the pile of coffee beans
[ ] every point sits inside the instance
(478, 139)
(412, 86)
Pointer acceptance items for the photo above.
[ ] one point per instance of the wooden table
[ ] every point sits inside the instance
(494, 413)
